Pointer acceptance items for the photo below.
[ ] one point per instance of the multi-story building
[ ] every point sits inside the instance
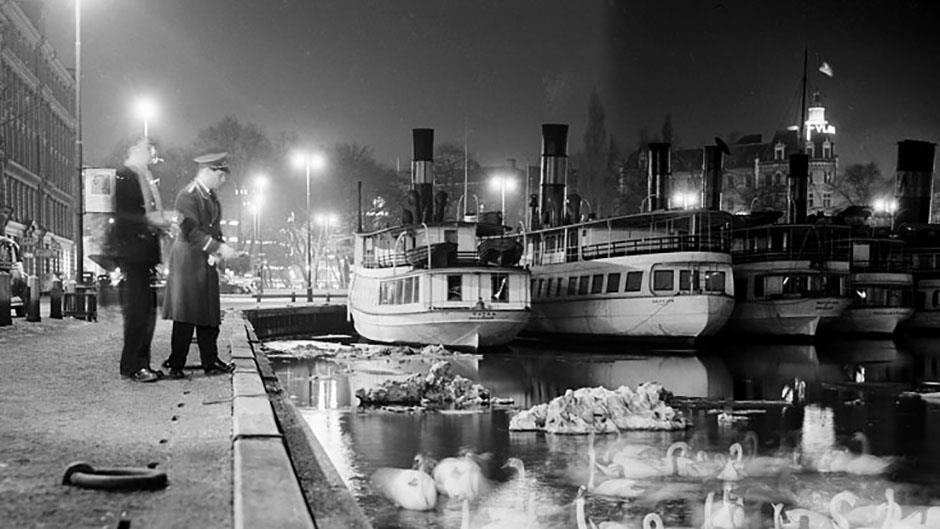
(756, 171)
(38, 180)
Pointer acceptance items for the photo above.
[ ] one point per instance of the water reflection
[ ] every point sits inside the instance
(863, 386)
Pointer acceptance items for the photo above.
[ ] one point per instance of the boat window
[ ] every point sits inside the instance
(416, 292)
(613, 282)
(714, 281)
(385, 297)
(409, 287)
(399, 292)
(597, 283)
(759, 286)
(924, 261)
(450, 236)
(689, 281)
(663, 280)
(740, 287)
(538, 292)
(634, 282)
(572, 286)
(454, 288)
(548, 287)
(499, 284)
(936, 300)
(920, 300)
(583, 284)
(558, 287)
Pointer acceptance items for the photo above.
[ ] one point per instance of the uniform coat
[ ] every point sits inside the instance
(192, 288)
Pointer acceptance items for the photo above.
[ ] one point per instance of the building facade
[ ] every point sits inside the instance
(38, 181)
(756, 171)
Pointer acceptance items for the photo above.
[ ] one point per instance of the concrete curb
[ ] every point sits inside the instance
(327, 495)
(266, 492)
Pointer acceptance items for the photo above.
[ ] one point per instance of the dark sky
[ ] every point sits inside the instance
(370, 71)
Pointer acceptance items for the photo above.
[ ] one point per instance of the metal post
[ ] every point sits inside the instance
(55, 300)
(309, 284)
(79, 231)
(32, 305)
(5, 295)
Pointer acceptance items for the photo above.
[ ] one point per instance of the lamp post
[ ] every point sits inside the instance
(316, 161)
(80, 206)
(145, 109)
(325, 220)
(261, 181)
(502, 182)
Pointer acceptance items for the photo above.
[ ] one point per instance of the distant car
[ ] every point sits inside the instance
(11, 262)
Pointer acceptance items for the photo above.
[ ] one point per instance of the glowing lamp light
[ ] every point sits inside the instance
(685, 200)
(885, 205)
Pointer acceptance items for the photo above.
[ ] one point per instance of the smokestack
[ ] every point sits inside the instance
(554, 171)
(422, 174)
(658, 176)
(914, 184)
(711, 177)
(799, 175)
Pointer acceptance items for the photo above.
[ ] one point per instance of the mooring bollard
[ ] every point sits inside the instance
(32, 306)
(5, 295)
(55, 300)
(293, 296)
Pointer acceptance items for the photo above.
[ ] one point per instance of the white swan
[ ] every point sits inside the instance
(765, 466)
(866, 464)
(729, 515)
(633, 467)
(834, 520)
(617, 487)
(875, 514)
(459, 478)
(408, 488)
(779, 522)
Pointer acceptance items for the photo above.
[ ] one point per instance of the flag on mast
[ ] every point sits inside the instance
(825, 68)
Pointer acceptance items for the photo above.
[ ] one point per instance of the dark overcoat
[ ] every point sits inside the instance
(192, 287)
(129, 237)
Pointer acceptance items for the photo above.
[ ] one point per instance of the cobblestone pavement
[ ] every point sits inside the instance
(62, 400)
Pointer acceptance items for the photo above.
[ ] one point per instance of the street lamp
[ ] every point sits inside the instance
(145, 108)
(308, 161)
(80, 206)
(502, 182)
(325, 220)
(261, 181)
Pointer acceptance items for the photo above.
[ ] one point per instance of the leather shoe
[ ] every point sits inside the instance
(219, 368)
(145, 375)
(177, 374)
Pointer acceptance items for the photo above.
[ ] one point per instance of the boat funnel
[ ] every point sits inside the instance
(554, 174)
(658, 176)
(797, 180)
(712, 168)
(914, 181)
(422, 174)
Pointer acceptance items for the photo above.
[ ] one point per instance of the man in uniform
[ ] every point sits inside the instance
(192, 289)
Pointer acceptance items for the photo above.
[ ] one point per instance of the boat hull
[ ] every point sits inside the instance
(676, 317)
(464, 328)
(926, 317)
(784, 317)
(882, 316)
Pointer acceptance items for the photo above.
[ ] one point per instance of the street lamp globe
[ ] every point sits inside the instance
(145, 109)
(307, 161)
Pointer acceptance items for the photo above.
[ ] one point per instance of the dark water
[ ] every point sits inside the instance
(850, 385)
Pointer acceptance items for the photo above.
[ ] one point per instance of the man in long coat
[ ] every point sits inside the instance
(192, 290)
(133, 243)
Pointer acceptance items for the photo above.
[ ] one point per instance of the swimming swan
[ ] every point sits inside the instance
(408, 488)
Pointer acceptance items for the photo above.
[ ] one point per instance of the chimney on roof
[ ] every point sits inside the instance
(422, 174)
(554, 173)
(658, 176)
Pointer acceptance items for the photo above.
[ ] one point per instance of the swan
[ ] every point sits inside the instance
(729, 516)
(764, 466)
(705, 465)
(778, 519)
(874, 514)
(866, 464)
(408, 488)
(509, 506)
(618, 487)
(459, 478)
(579, 508)
(619, 448)
(834, 520)
(634, 467)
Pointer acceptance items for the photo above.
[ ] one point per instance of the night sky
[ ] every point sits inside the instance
(370, 71)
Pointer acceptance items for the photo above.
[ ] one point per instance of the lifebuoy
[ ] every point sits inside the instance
(83, 475)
